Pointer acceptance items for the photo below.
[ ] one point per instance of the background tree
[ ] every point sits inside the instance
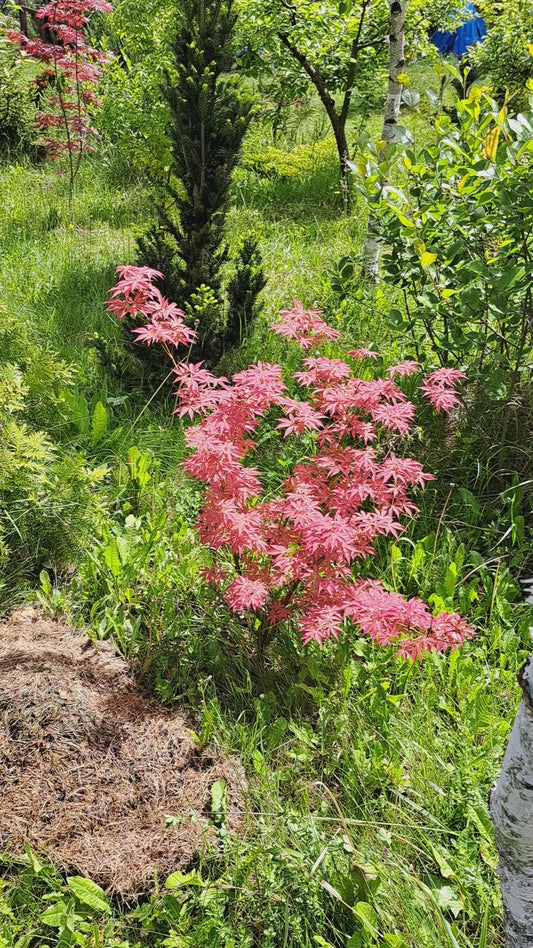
(339, 48)
(133, 115)
(208, 116)
(504, 58)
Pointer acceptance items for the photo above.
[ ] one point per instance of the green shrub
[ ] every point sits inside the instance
(303, 159)
(243, 290)
(209, 114)
(504, 57)
(17, 104)
(457, 223)
(48, 498)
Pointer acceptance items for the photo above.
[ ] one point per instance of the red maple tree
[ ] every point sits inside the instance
(296, 554)
(72, 69)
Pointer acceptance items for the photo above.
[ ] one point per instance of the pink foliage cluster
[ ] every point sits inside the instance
(135, 295)
(295, 554)
(72, 69)
(439, 387)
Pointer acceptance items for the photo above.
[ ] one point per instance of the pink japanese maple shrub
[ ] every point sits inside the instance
(296, 555)
(72, 68)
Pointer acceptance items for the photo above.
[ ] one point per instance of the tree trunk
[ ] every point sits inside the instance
(396, 66)
(511, 810)
(23, 20)
(338, 121)
(390, 119)
(339, 129)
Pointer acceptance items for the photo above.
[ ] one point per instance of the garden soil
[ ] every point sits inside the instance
(91, 770)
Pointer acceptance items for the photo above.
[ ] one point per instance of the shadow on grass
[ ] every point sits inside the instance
(69, 311)
(295, 198)
(210, 654)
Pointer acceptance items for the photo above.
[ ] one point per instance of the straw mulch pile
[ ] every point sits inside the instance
(90, 769)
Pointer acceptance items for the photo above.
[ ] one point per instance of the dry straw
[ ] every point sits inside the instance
(90, 770)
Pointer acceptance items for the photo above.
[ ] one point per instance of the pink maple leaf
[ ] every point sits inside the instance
(363, 353)
(244, 593)
(166, 329)
(440, 388)
(322, 371)
(407, 367)
(304, 326)
(300, 417)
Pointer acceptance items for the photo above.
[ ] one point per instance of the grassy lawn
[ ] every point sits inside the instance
(367, 820)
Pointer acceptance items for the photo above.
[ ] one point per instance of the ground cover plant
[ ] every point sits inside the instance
(366, 819)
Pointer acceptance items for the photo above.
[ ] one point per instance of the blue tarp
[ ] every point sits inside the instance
(473, 31)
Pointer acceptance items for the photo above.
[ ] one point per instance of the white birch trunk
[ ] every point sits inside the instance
(511, 810)
(390, 119)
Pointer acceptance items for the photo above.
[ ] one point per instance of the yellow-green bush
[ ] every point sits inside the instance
(48, 497)
(300, 160)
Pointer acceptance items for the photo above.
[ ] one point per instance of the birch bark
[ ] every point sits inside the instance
(390, 119)
(511, 810)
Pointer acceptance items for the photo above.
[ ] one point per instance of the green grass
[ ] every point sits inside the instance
(368, 777)
(56, 277)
